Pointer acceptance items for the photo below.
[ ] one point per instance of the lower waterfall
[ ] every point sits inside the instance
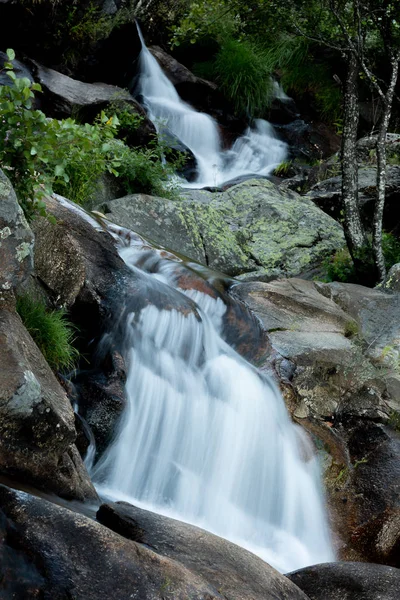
(206, 437)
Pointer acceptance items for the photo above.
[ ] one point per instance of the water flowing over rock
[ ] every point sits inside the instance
(253, 228)
(258, 151)
(206, 438)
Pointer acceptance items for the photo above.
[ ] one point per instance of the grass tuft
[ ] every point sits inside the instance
(51, 331)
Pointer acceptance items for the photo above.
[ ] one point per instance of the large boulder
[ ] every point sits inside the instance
(336, 353)
(56, 554)
(235, 572)
(251, 228)
(327, 194)
(64, 96)
(37, 432)
(16, 240)
(348, 581)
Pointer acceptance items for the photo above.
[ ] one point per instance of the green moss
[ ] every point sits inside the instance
(51, 331)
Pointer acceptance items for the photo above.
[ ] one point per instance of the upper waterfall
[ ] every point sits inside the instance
(257, 152)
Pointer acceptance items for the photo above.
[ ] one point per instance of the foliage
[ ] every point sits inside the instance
(242, 71)
(283, 169)
(45, 155)
(72, 28)
(340, 266)
(51, 331)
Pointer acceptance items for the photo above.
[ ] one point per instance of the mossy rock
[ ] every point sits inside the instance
(253, 229)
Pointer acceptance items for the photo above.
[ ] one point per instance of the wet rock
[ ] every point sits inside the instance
(235, 572)
(37, 432)
(200, 93)
(16, 240)
(71, 556)
(251, 228)
(348, 581)
(313, 140)
(102, 397)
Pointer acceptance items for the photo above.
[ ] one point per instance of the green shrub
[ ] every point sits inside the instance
(45, 155)
(243, 72)
(340, 267)
(51, 331)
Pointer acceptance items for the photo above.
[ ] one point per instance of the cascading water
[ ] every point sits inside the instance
(257, 152)
(206, 437)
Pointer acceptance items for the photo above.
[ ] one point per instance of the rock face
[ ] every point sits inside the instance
(336, 350)
(16, 239)
(327, 194)
(234, 572)
(64, 96)
(348, 581)
(37, 431)
(64, 555)
(313, 140)
(251, 228)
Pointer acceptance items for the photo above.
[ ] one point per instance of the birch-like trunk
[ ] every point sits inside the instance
(353, 229)
(381, 170)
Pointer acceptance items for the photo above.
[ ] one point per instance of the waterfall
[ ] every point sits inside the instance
(206, 437)
(257, 152)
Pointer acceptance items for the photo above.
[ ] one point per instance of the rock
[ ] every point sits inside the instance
(393, 278)
(177, 73)
(16, 240)
(376, 312)
(327, 195)
(64, 96)
(366, 147)
(251, 228)
(348, 581)
(235, 572)
(69, 555)
(20, 70)
(314, 140)
(37, 431)
(200, 93)
(78, 263)
(340, 382)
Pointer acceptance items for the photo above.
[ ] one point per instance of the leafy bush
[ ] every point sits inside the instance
(45, 155)
(51, 331)
(340, 267)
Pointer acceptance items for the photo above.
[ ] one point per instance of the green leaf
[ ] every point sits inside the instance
(59, 171)
(10, 54)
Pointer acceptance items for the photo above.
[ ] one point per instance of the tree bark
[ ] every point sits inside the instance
(353, 229)
(381, 169)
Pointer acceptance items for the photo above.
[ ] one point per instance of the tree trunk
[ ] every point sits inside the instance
(353, 229)
(381, 169)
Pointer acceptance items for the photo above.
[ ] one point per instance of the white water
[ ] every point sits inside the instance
(206, 438)
(257, 152)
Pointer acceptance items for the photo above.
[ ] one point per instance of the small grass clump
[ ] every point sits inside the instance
(283, 170)
(51, 331)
